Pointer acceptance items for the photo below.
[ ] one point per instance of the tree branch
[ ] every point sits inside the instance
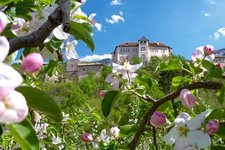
(36, 38)
(171, 96)
(65, 8)
(146, 98)
(154, 138)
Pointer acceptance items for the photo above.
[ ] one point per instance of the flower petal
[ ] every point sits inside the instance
(198, 139)
(133, 68)
(182, 119)
(3, 21)
(197, 121)
(4, 48)
(9, 77)
(181, 143)
(59, 33)
(116, 67)
(172, 136)
(18, 104)
(109, 78)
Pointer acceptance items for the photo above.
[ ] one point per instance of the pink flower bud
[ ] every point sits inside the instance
(86, 137)
(101, 94)
(158, 119)
(3, 21)
(212, 126)
(186, 98)
(208, 50)
(32, 62)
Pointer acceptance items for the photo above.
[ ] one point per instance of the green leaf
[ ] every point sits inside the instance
(6, 2)
(217, 114)
(7, 32)
(179, 80)
(82, 31)
(174, 64)
(220, 94)
(213, 71)
(195, 70)
(108, 101)
(25, 135)
(148, 82)
(51, 68)
(217, 147)
(23, 9)
(221, 131)
(54, 44)
(96, 116)
(42, 102)
(127, 130)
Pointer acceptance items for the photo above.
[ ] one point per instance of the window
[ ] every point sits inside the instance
(121, 58)
(163, 51)
(83, 68)
(143, 56)
(143, 48)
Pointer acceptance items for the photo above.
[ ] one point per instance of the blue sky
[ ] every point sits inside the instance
(181, 24)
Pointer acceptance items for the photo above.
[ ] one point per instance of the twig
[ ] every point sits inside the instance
(154, 138)
(173, 95)
(146, 98)
(37, 37)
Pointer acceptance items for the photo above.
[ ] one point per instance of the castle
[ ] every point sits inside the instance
(143, 49)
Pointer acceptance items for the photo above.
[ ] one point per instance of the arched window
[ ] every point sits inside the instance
(143, 56)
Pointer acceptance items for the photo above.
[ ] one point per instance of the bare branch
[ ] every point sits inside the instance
(154, 138)
(171, 96)
(36, 38)
(146, 98)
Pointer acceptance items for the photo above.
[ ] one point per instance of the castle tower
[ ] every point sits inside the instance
(143, 49)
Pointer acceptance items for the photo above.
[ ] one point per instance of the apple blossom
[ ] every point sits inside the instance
(3, 21)
(186, 98)
(70, 51)
(86, 137)
(126, 71)
(212, 126)
(13, 108)
(158, 119)
(20, 27)
(104, 137)
(55, 140)
(91, 18)
(32, 62)
(208, 50)
(203, 52)
(187, 132)
(112, 79)
(115, 132)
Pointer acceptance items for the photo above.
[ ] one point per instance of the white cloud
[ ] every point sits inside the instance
(210, 1)
(219, 33)
(98, 26)
(114, 19)
(121, 13)
(95, 57)
(116, 2)
(206, 14)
